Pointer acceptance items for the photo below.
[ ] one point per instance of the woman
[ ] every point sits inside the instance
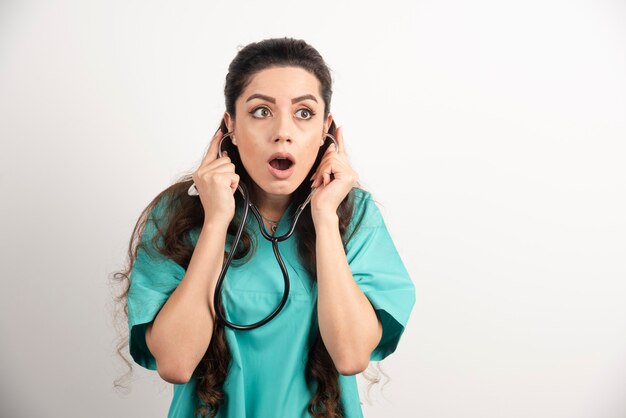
(350, 295)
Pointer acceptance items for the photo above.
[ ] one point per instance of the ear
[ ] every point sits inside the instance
(327, 122)
(230, 125)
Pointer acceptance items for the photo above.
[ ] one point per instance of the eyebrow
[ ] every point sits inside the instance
(304, 97)
(273, 100)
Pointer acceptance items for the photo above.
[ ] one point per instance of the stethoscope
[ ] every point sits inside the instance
(248, 205)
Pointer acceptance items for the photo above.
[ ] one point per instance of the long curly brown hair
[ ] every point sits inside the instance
(185, 213)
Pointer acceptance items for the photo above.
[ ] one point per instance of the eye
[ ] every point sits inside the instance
(261, 112)
(304, 114)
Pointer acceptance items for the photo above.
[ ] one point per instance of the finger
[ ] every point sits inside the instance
(219, 161)
(340, 143)
(323, 175)
(316, 176)
(211, 154)
(325, 164)
(230, 180)
(315, 182)
(234, 182)
(221, 168)
(328, 155)
(326, 177)
(224, 159)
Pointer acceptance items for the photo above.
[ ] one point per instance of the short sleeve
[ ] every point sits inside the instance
(379, 272)
(153, 278)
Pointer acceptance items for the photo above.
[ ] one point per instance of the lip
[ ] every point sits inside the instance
(282, 155)
(281, 174)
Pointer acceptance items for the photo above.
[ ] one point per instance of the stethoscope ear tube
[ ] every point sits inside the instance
(217, 298)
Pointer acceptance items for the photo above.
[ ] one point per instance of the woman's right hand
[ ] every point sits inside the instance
(216, 182)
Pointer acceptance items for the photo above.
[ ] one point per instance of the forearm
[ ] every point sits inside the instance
(181, 332)
(348, 323)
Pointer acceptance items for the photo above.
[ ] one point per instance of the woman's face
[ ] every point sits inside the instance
(279, 127)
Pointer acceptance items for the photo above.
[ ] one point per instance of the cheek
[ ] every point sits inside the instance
(249, 153)
(311, 153)
(250, 157)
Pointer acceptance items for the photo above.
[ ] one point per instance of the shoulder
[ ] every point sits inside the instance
(361, 200)
(155, 220)
(361, 195)
(365, 211)
(163, 205)
(366, 216)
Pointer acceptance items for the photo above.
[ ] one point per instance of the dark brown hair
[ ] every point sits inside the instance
(184, 213)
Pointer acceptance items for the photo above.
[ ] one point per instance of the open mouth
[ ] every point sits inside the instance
(281, 163)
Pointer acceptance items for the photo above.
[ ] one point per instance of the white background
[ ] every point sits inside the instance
(491, 132)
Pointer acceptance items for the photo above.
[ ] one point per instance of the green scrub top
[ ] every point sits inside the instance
(266, 377)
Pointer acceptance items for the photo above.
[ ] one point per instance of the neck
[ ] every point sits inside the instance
(271, 206)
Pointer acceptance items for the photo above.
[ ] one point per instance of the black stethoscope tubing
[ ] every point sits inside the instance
(248, 205)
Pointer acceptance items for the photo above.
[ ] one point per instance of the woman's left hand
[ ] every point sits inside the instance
(333, 180)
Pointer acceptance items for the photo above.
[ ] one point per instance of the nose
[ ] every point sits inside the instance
(284, 130)
(282, 137)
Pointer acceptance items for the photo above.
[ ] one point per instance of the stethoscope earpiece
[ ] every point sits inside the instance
(193, 191)
(219, 148)
(332, 138)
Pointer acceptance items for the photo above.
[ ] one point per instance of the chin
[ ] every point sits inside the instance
(280, 189)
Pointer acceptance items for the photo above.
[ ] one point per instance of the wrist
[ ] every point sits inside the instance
(215, 225)
(325, 217)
